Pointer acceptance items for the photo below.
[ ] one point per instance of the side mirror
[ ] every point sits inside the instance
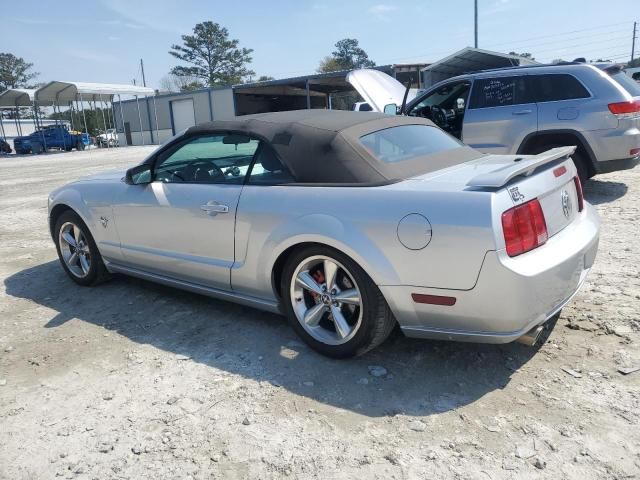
(391, 109)
(138, 175)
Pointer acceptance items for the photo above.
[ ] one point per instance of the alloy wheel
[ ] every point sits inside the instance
(74, 249)
(326, 300)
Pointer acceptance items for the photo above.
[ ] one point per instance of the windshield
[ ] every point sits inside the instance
(406, 142)
(628, 83)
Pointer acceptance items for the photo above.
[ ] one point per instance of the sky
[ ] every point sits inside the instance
(104, 40)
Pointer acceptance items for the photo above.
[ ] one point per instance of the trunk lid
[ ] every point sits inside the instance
(517, 179)
(377, 88)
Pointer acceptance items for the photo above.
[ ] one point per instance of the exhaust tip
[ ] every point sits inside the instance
(531, 337)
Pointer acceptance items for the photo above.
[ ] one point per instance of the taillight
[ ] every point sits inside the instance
(524, 228)
(578, 183)
(625, 109)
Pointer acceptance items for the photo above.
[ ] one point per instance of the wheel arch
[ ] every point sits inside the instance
(567, 136)
(55, 213)
(281, 259)
(69, 200)
(278, 266)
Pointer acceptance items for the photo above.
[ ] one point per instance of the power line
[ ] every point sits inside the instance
(513, 44)
(619, 34)
(529, 47)
(578, 45)
(561, 34)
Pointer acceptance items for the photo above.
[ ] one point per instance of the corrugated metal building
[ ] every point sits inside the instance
(177, 111)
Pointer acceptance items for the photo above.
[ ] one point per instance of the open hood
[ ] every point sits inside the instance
(377, 88)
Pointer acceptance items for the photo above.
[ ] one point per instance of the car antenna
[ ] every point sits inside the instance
(404, 99)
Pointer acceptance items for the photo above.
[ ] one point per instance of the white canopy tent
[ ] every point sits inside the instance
(59, 92)
(14, 98)
(65, 93)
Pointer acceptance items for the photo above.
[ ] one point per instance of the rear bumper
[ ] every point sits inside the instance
(511, 295)
(611, 148)
(615, 165)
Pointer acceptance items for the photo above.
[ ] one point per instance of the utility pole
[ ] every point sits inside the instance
(475, 23)
(633, 42)
(144, 81)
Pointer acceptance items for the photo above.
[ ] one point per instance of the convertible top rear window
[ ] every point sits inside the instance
(407, 142)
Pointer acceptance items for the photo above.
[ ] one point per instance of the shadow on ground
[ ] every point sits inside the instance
(598, 192)
(425, 377)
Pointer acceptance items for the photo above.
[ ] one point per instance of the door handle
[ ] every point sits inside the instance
(521, 112)
(214, 208)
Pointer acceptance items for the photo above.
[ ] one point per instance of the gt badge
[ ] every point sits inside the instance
(516, 196)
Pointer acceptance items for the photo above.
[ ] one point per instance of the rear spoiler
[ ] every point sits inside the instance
(526, 166)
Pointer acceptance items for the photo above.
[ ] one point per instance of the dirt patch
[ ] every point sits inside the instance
(134, 380)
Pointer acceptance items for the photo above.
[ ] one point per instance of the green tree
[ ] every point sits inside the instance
(264, 78)
(95, 121)
(523, 55)
(213, 58)
(174, 83)
(15, 72)
(348, 55)
(329, 64)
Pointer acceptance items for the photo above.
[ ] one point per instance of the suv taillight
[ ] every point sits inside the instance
(625, 109)
(524, 228)
(578, 183)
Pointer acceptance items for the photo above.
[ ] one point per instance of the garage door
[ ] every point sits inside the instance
(182, 114)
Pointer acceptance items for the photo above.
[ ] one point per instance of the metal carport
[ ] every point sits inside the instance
(470, 60)
(310, 91)
(14, 98)
(65, 93)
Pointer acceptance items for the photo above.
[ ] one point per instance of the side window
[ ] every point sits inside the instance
(216, 158)
(268, 169)
(500, 92)
(554, 87)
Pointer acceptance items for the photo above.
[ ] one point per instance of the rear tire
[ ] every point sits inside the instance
(77, 251)
(364, 318)
(579, 160)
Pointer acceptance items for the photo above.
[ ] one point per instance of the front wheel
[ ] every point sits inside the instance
(332, 304)
(77, 251)
(79, 145)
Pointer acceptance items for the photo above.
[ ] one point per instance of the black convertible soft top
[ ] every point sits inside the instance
(323, 146)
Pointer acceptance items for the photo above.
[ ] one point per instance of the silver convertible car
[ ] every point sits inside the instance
(348, 223)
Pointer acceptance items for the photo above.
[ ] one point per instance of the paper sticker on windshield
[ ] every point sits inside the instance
(516, 196)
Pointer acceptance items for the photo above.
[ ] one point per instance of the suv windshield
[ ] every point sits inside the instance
(407, 142)
(628, 83)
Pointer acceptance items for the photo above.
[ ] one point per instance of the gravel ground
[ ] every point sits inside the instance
(134, 380)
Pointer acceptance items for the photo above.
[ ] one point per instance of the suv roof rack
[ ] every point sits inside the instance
(515, 67)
